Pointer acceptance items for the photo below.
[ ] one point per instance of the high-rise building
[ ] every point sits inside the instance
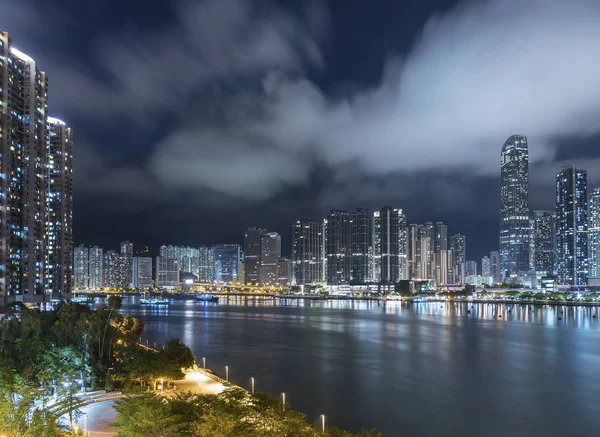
(375, 261)
(594, 234)
(495, 266)
(441, 237)
(59, 208)
(360, 236)
(189, 257)
(142, 272)
(252, 239)
(35, 187)
(81, 278)
(111, 269)
(285, 272)
(393, 245)
(471, 268)
(338, 247)
(124, 265)
(227, 257)
(543, 242)
(445, 264)
(308, 252)
(514, 207)
(420, 243)
(167, 272)
(270, 253)
(571, 226)
(458, 245)
(206, 264)
(96, 268)
(486, 267)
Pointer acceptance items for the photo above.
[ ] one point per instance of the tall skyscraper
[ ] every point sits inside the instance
(270, 253)
(59, 208)
(167, 272)
(514, 207)
(571, 226)
(111, 269)
(375, 261)
(458, 245)
(124, 265)
(360, 235)
(96, 268)
(441, 237)
(486, 267)
(471, 268)
(393, 245)
(35, 187)
(142, 272)
(308, 251)
(285, 272)
(206, 264)
(338, 247)
(594, 234)
(252, 238)
(227, 257)
(81, 261)
(543, 239)
(495, 266)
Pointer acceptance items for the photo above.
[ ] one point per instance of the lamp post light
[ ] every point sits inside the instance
(162, 384)
(252, 383)
(85, 429)
(323, 422)
(283, 400)
(227, 373)
(204, 363)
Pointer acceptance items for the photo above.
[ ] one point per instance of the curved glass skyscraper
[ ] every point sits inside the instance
(514, 207)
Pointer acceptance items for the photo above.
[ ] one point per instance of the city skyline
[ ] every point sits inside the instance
(444, 170)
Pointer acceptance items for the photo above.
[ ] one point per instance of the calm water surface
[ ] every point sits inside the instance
(406, 369)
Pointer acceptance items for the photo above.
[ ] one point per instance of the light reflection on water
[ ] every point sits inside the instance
(432, 368)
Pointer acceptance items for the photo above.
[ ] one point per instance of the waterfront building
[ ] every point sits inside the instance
(495, 266)
(393, 245)
(252, 251)
(96, 268)
(124, 265)
(514, 207)
(458, 245)
(81, 268)
(206, 264)
(543, 242)
(338, 248)
(226, 257)
(441, 237)
(189, 257)
(486, 267)
(375, 255)
(594, 234)
(360, 236)
(58, 209)
(308, 251)
(270, 253)
(284, 269)
(167, 272)
(571, 226)
(111, 269)
(445, 265)
(35, 188)
(471, 268)
(142, 272)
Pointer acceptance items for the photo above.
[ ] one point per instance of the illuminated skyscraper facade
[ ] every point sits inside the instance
(594, 234)
(270, 253)
(458, 245)
(495, 266)
(514, 207)
(360, 235)
(338, 247)
(252, 239)
(375, 255)
(96, 268)
(142, 272)
(81, 261)
(393, 245)
(206, 264)
(543, 242)
(308, 251)
(227, 257)
(571, 226)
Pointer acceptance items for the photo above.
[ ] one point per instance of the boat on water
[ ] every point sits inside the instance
(206, 298)
(154, 301)
(82, 300)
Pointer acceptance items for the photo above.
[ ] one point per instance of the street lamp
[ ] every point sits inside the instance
(283, 400)
(85, 416)
(252, 382)
(323, 422)
(204, 363)
(227, 373)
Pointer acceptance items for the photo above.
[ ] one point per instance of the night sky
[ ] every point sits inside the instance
(194, 120)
